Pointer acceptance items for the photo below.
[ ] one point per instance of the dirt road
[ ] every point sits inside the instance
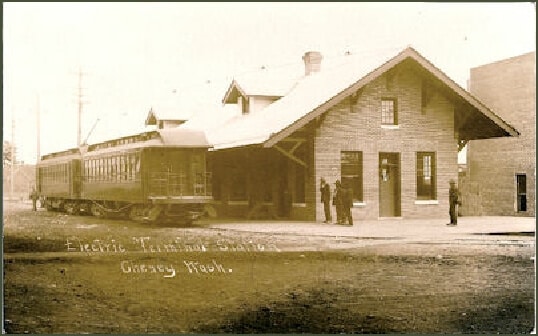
(66, 274)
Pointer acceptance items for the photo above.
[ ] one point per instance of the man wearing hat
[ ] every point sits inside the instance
(338, 202)
(454, 202)
(325, 190)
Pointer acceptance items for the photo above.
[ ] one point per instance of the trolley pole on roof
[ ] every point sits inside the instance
(80, 102)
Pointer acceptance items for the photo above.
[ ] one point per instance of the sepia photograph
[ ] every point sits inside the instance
(269, 168)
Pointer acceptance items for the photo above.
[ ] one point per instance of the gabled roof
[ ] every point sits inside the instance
(313, 95)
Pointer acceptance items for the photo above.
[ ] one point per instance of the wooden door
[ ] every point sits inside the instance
(389, 185)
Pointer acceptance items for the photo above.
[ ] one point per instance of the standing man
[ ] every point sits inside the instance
(347, 204)
(33, 197)
(454, 202)
(325, 190)
(338, 202)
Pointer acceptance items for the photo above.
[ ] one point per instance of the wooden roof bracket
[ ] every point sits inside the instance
(289, 153)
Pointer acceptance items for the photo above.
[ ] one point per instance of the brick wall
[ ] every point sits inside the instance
(357, 127)
(508, 87)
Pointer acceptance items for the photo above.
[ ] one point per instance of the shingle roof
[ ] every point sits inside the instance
(314, 94)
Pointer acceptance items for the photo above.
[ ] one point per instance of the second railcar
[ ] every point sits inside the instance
(159, 175)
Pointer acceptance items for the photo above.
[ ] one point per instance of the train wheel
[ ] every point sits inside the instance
(72, 208)
(137, 213)
(84, 208)
(97, 210)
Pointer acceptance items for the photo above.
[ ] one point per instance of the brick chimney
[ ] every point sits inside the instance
(312, 62)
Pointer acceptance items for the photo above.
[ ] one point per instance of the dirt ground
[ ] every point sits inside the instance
(69, 274)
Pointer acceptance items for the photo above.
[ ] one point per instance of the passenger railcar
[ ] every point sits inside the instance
(58, 178)
(152, 176)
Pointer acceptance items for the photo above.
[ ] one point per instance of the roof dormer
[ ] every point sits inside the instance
(162, 121)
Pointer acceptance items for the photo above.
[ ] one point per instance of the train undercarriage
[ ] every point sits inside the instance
(150, 212)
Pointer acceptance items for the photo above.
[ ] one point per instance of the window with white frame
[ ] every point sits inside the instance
(389, 111)
(426, 179)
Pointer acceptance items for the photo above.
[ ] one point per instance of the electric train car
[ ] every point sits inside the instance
(152, 176)
(58, 178)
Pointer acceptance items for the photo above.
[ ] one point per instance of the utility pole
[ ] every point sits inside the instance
(12, 167)
(38, 126)
(79, 137)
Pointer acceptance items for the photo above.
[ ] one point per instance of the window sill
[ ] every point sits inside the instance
(426, 202)
(390, 126)
(359, 204)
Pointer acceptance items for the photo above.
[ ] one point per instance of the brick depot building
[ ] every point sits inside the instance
(501, 173)
(390, 127)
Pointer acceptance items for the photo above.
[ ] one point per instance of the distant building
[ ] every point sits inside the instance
(389, 127)
(501, 172)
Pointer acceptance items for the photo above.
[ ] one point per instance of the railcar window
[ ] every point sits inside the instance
(112, 168)
(107, 169)
(137, 167)
(120, 168)
(101, 169)
(129, 167)
(125, 160)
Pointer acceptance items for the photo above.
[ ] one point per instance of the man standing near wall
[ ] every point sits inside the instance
(347, 204)
(454, 202)
(34, 197)
(325, 190)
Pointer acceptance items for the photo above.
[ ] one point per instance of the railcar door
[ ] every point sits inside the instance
(75, 178)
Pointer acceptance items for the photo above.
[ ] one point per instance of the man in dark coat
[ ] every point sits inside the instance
(338, 202)
(325, 190)
(454, 201)
(347, 204)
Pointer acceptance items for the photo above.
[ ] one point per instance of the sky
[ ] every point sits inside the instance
(135, 56)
